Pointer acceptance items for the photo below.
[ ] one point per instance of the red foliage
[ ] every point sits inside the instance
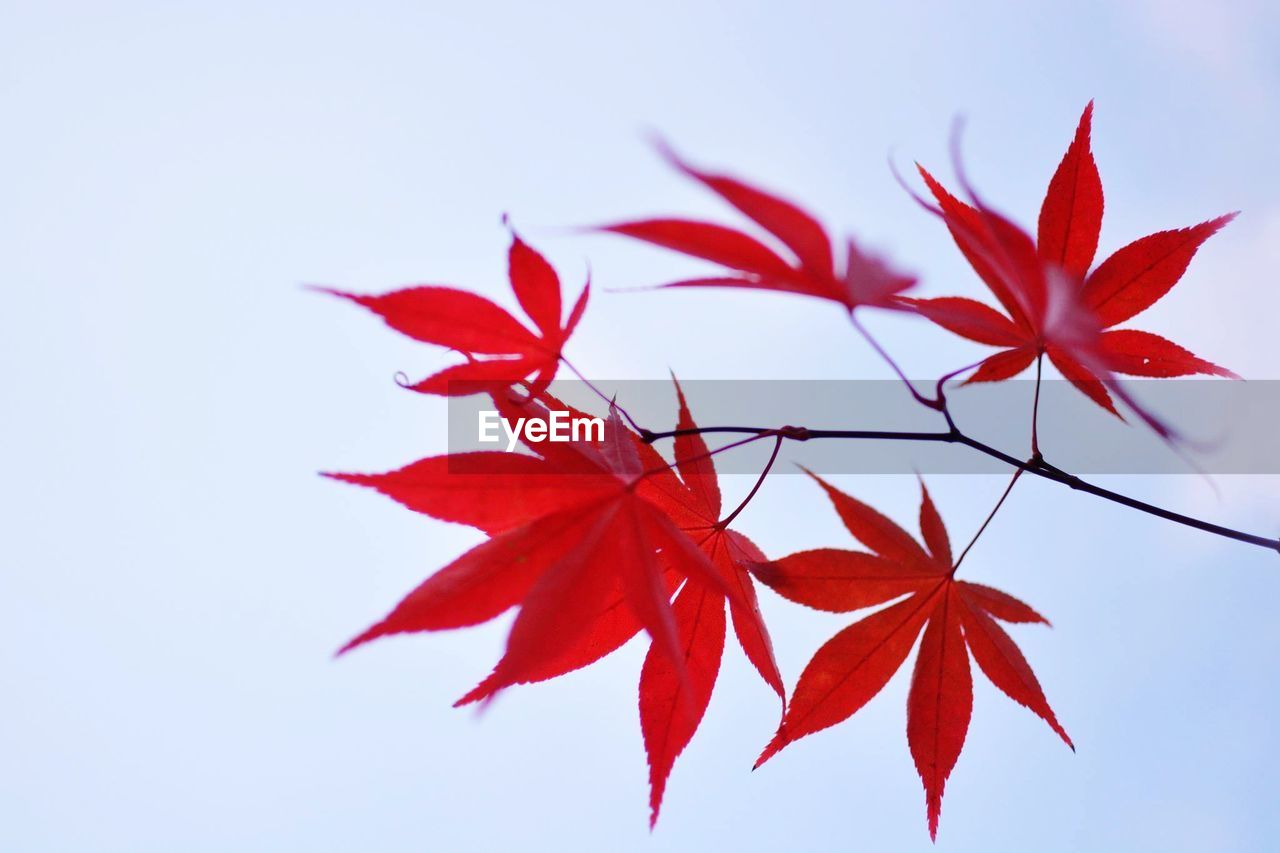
(499, 349)
(810, 271)
(595, 541)
(853, 666)
(590, 541)
(1052, 304)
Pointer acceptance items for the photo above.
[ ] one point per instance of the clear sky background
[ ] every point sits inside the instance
(175, 577)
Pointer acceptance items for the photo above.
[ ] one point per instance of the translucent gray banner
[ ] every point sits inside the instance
(1227, 427)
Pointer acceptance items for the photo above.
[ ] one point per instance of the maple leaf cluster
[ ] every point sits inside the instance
(594, 542)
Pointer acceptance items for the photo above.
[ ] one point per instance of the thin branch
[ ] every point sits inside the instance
(1038, 467)
(940, 392)
(954, 435)
(803, 433)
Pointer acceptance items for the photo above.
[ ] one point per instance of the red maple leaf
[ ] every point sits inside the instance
(1053, 305)
(689, 494)
(671, 710)
(582, 543)
(864, 279)
(534, 508)
(853, 666)
(500, 350)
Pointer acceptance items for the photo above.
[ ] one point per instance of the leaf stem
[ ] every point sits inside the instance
(610, 400)
(727, 520)
(1035, 410)
(990, 515)
(930, 402)
(753, 436)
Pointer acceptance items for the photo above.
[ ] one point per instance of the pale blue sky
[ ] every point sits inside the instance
(175, 575)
